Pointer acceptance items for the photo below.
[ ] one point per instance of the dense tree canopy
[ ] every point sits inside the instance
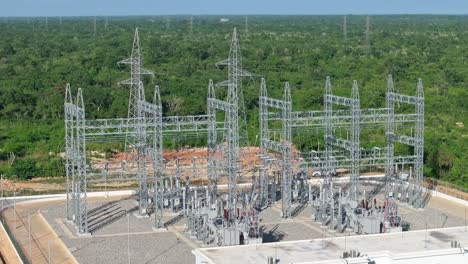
(37, 59)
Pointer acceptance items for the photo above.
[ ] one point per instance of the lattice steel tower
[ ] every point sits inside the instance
(234, 84)
(135, 82)
(345, 29)
(367, 35)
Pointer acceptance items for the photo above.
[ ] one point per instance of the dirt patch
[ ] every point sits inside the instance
(36, 184)
(249, 158)
(440, 187)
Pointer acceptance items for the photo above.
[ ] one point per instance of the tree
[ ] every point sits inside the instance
(25, 169)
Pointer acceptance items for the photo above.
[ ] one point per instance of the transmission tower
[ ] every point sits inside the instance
(94, 27)
(234, 84)
(345, 29)
(106, 24)
(168, 23)
(246, 25)
(367, 34)
(191, 27)
(135, 82)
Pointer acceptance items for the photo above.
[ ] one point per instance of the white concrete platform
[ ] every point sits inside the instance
(423, 246)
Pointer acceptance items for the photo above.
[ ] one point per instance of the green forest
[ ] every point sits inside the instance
(38, 56)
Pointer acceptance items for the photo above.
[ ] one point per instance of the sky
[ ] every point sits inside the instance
(233, 7)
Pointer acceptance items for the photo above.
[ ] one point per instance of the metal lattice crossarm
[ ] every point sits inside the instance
(272, 145)
(343, 143)
(103, 128)
(407, 140)
(407, 99)
(339, 100)
(221, 105)
(274, 103)
(371, 116)
(344, 162)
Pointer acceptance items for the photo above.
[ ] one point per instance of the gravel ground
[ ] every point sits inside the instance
(110, 244)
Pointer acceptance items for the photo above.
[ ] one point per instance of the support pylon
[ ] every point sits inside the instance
(355, 142)
(234, 84)
(419, 144)
(137, 91)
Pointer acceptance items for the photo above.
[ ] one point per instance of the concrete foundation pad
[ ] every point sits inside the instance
(139, 216)
(87, 234)
(158, 229)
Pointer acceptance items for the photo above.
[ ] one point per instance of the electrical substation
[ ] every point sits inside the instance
(336, 182)
(206, 192)
(310, 148)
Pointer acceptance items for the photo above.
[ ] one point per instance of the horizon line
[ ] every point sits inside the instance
(235, 15)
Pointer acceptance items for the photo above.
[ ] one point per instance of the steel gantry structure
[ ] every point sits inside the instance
(167, 183)
(283, 146)
(416, 140)
(143, 131)
(367, 119)
(352, 144)
(234, 131)
(75, 160)
(147, 145)
(352, 156)
(231, 147)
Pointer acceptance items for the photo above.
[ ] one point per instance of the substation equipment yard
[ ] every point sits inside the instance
(234, 194)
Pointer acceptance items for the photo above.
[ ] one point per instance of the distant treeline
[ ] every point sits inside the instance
(38, 57)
